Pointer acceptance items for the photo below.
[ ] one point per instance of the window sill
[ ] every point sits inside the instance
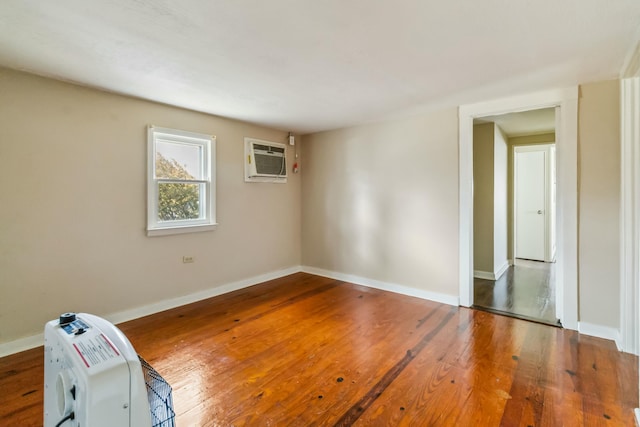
(180, 230)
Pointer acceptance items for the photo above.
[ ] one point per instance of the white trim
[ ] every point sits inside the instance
(629, 213)
(206, 182)
(484, 275)
(465, 204)
(502, 269)
(135, 313)
(385, 286)
(490, 275)
(637, 413)
(124, 316)
(567, 191)
(21, 344)
(181, 230)
(600, 331)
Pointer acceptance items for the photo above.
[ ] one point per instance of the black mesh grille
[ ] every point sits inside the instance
(159, 394)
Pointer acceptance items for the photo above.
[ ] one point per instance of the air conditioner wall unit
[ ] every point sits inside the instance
(265, 161)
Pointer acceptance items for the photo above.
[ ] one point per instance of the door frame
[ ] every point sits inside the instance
(566, 103)
(548, 195)
(630, 215)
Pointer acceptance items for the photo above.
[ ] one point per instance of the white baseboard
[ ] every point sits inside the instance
(385, 286)
(502, 269)
(33, 341)
(600, 331)
(21, 344)
(488, 275)
(484, 275)
(125, 316)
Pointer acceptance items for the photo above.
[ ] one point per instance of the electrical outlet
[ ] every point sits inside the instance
(188, 259)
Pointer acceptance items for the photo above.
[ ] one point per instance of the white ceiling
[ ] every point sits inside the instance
(308, 65)
(524, 123)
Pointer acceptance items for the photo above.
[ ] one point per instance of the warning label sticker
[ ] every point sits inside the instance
(96, 350)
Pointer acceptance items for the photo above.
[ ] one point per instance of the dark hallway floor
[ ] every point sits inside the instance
(526, 290)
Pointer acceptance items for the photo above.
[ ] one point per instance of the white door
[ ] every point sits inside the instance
(533, 191)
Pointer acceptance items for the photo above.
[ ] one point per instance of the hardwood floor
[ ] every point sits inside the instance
(526, 290)
(305, 350)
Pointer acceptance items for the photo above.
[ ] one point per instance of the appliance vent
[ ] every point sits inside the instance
(265, 161)
(159, 396)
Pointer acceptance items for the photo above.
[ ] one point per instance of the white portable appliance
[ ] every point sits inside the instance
(93, 378)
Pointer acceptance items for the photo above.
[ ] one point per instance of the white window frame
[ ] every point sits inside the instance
(207, 220)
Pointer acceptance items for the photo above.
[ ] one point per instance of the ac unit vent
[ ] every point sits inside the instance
(265, 161)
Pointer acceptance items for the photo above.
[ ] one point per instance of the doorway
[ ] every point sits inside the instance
(566, 103)
(514, 215)
(534, 206)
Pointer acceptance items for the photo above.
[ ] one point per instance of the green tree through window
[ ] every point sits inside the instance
(176, 201)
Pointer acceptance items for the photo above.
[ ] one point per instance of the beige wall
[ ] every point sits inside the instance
(599, 203)
(489, 199)
(73, 215)
(537, 139)
(483, 188)
(380, 201)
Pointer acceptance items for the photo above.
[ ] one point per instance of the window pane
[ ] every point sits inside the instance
(179, 201)
(178, 160)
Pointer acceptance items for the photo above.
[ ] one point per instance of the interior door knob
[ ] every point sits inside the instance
(539, 212)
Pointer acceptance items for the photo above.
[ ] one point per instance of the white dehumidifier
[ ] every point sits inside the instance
(94, 378)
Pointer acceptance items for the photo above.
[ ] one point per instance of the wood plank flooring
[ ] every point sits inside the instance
(526, 290)
(305, 350)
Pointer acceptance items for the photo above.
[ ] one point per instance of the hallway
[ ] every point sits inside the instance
(526, 291)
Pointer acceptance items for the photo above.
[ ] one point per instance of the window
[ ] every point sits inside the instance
(180, 191)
